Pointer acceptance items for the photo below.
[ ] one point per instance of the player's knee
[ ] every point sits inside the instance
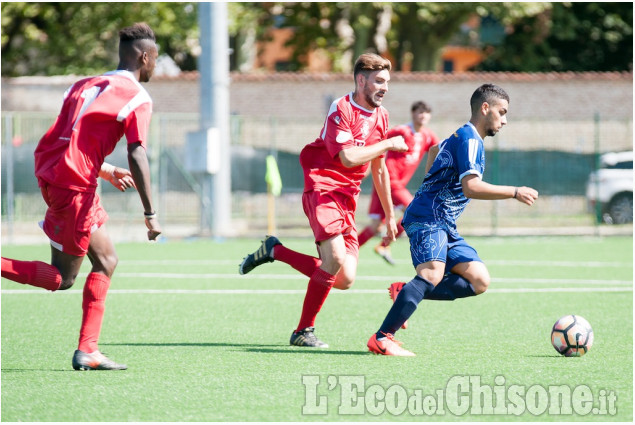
(480, 284)
(344, 284)
(434, 277)
(344, 279)
(67, 283)
(107, 264)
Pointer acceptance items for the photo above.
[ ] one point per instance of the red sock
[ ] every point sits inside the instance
(34, 273)
(400, 230)
(93, 307)
(303, 263)
(319, 287)
(365, 235)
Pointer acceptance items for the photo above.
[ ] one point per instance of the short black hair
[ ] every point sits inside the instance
(420, 105)
(487, 93)
(138, 31)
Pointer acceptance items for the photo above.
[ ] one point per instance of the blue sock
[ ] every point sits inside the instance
(452, 286)
(405, 304)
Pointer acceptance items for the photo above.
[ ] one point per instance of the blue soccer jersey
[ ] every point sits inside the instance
(440, 200)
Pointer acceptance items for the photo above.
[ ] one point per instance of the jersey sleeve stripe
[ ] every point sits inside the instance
(473, 150)
(332, 109)
(140, 98)
(470, 172)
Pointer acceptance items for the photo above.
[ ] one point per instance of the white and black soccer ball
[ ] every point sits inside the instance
(572, 336)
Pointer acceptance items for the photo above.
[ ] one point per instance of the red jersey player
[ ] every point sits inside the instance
(401, 168)
(354, 135)
(95, 114)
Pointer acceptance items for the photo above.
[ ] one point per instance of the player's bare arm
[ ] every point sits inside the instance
(474, 187)
(358, 155)
(432, 155)
(140, 169)
(381, 180)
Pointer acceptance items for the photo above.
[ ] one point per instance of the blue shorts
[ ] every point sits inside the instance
(430, 242)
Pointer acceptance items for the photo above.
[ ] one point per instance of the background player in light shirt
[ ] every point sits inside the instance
(401, 168)
(354, 135)
(96, 113)
(446, 266)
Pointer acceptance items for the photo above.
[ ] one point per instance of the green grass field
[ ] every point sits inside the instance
(205, 344)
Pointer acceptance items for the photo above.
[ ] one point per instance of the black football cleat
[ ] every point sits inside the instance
(306, 338)
(94, 361)
(263, 255)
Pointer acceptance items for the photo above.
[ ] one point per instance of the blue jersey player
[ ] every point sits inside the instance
(447, 267)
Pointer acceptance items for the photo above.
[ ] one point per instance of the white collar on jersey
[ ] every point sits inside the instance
(475, 130)
(125, 73)
(357, 106)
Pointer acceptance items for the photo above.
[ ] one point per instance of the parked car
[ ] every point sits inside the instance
(609, 190)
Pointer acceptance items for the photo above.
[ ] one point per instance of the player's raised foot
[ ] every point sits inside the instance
(94, 361)
(387, 346)
(384, 252)
(306, 338)
(393, 291)
(262, 255)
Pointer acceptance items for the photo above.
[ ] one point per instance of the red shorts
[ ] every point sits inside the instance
(71, 217)
(331, 214)
(401, 198)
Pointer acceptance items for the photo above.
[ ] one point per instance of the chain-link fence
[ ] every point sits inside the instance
(555, 157)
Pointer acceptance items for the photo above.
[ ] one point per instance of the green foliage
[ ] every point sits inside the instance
(418, 30)
(60, 38)
(568, 37)
(82, 38)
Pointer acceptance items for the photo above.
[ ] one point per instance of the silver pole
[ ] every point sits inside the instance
(8, 136)
(214, 83)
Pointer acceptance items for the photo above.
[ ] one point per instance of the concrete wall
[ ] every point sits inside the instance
(546, 110)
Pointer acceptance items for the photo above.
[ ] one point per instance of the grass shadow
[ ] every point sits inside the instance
(251, 348)
(26, 369)
(544, 355)
(187, 344)
(304, 351)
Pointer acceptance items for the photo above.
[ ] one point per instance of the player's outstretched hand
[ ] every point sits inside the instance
(122, 179)
(154, 228)
(398, 144)
(527, 195)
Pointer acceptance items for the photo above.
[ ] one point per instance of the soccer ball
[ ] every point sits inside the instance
(572, 336)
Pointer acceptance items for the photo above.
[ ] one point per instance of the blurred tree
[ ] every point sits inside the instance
(568, 37)
(249, 22)
(415, 32)
(82, 38)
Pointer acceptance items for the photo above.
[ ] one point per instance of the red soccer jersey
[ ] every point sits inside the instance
(402, 165)
(96, 113)
(347, 124)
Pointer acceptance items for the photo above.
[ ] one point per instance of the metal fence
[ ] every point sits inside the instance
(554, 157)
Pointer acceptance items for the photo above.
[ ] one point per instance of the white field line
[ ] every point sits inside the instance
(299, 276)
(300, 291)
(514, 263)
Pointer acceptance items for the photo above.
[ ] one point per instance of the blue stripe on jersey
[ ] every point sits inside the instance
(440, 199)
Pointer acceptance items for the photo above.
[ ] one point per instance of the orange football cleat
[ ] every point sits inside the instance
(387, 346)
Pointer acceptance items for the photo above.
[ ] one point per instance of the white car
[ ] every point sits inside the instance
(609, 190)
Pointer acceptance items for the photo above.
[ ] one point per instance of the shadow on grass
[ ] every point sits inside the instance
(15, 370)
(187, 344)
(304, 351)
(544, 355)
(250, 348)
